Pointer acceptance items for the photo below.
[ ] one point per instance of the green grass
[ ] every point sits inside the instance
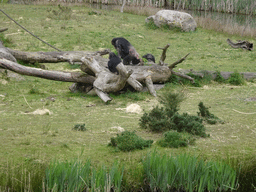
(39, 139)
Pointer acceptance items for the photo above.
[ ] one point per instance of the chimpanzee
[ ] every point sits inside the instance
(114, 60)
(126, 51)
(149, 57)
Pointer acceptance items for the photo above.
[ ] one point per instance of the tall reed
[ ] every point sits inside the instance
(78, 176)
(25, 176)
(185, 172)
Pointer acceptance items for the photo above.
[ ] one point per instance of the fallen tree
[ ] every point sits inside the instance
(94, 72)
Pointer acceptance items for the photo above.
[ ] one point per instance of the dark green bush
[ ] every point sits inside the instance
(206, 115)
(165, 118)
(79, 127)
(175, 139)
(236, 79)
(156, 120)
(188, 123)
(129, 141)
(34, 90)
(171, 102)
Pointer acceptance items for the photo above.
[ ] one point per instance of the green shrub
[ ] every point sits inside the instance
(129, 141)
(175, 139)
(171, 101)
(198, 79)
(236, 79)
(166, 118)
(79, 127)
(206, 115)
(219, 78)
(34, 90)
(188, 123)
(156, 120)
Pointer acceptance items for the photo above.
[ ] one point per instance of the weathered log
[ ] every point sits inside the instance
(150, 86)
(47, 74)
(4, 53)
(54, 57)
(104, 97)
(241, 44)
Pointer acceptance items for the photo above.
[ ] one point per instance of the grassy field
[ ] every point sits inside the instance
(41, 138)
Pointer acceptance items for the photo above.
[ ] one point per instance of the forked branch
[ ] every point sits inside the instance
(177, 62)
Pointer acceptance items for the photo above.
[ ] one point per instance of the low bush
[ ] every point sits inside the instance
(236, 79)
(166, 118)
(79, 127)
(206, 115)
(174, 139)
(199, 81)
(129, 141)
(156, 120)
(219, 78)
(189, 123)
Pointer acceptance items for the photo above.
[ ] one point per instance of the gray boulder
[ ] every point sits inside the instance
(173, 19)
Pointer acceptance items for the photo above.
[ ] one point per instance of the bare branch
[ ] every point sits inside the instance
(4, 29)
(183, 76)
(161, 62)
(177, 62)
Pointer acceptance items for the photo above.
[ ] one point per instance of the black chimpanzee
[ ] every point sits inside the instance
(126, 51)
(114, 60)
(149, 57)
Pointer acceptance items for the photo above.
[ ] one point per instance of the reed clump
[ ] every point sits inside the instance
(77, 176)
(187, 173)
(233, 29)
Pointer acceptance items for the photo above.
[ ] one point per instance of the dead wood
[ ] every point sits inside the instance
(4, 29)
(55, 57)
(47, 74)
(163, 56)
(241, 44)
(96, 74)
(4, 53)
